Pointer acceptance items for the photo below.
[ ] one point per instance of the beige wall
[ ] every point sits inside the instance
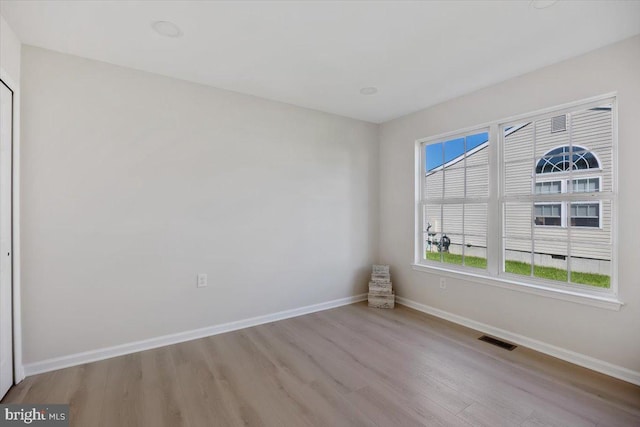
(9, 52)
(133, 183)
(603, 334)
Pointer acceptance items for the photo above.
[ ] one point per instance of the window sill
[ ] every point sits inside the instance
(609, 302)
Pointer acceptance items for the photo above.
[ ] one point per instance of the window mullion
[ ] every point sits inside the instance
(570, 191)
(533, 213)
(420, 165)
(494, 208)
(464, 231)
(444, 195)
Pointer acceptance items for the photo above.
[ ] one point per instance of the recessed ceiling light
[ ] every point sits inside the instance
(542, 4)
(166, 29)
(369, 90)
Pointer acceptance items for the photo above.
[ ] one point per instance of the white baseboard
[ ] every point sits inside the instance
(133, 347)
(552, 350)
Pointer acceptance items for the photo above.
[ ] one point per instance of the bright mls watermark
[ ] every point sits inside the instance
(34, 415)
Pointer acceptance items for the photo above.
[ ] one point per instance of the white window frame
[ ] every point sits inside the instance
(423, 201)
(587, 202)
(565, 212)
(494, 275)
(577, 171)
(576, 178)
(563, 189)
(563, 215)
(562, 182)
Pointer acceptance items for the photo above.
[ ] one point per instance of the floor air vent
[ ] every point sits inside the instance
(497, 342)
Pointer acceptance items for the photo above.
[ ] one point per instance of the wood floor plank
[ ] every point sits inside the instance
(306, 376)
(200, 389)
(256, 378)
(458, 377)
(522, 386)
(350, 366)
(87, 396)
(613, 391)
(17, 393)
(39, 388)
(336, 364)
(122, 404)
(382, 409)
(482, 416)
(236, 402)
(163, 400)
(554, 417)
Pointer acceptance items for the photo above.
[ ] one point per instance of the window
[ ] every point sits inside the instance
(554, 214)
(586, 185)
(560, 159)
(552, 202)
(549, 187)
(571, 240)
(585, 214)
(548, 214)
(454, 200)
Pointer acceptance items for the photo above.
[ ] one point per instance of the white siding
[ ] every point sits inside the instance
(433, 186)
(591, 129)
(475, 224)
(480, 157)
(454, 181)
(462, 223)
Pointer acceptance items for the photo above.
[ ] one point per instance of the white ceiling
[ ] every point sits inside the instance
(320, 54)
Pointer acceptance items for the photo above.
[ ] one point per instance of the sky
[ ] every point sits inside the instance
(455, 147)
(452, 149)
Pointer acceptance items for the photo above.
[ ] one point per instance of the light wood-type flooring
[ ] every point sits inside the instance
(350, 366)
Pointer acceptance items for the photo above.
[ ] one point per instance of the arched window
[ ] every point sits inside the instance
(558, 160)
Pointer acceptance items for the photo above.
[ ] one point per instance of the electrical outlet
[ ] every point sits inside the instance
(443, 283)
(202, 280)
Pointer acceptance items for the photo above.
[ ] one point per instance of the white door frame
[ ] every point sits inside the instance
(18, 367)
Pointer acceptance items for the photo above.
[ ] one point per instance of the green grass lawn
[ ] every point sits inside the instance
(449, 258)
(516, 267)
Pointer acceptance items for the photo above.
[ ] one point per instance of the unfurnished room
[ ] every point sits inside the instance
(319, 213)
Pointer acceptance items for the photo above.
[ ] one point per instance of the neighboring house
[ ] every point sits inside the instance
(545, 171)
